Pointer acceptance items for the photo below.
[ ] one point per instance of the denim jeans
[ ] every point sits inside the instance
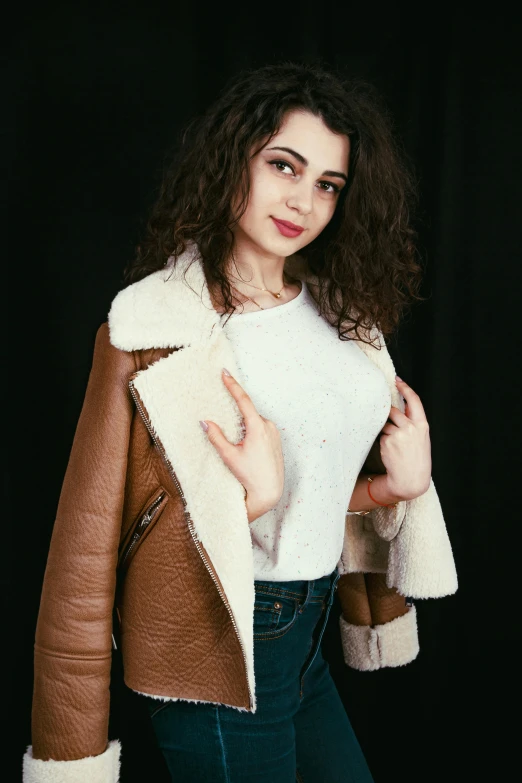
(300, 730)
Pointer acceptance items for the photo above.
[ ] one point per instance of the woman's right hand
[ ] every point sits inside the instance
(256, 461)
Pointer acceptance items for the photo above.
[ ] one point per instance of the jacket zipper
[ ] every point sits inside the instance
(190, 523)
(142, 525)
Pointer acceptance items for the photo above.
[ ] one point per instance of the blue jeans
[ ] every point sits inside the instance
(300, 730)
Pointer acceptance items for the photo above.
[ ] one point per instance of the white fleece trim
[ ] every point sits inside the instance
(193, 701)
(214, 497)
(368, 648)
(104, 768)
(170, 307)
(420, 562)
(363, 550)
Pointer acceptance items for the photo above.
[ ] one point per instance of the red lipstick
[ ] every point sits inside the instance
(288, 229)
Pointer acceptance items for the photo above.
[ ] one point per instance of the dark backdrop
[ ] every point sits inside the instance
(96, 96)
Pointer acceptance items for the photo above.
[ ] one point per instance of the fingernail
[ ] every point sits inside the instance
(397, 378)
(204, 425)
(226, 371)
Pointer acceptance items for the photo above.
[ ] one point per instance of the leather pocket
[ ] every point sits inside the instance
(140, 529)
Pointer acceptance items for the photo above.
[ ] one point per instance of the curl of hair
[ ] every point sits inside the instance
(366, 258)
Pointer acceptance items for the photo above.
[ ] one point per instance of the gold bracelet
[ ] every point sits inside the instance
(359, 513)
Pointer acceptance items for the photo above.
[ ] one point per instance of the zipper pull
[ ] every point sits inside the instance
(145, 519)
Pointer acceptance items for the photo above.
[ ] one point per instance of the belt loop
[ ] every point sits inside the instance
(311, 583)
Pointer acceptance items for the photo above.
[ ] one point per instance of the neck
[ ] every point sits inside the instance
(249, 265)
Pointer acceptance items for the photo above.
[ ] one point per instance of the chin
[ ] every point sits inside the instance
(284, 246)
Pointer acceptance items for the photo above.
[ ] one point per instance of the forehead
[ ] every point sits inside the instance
(308, 135)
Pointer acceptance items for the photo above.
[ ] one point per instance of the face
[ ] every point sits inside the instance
(299, 185)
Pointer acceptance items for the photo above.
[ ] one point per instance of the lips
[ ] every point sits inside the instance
(288, 229)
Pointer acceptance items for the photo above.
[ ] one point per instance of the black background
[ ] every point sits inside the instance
(96, 96)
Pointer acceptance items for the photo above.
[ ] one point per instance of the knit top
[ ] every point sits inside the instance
(329, 402)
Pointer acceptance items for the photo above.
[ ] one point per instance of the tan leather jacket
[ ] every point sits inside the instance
(150, 520)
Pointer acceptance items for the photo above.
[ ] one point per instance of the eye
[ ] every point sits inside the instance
(335, 188)
(277, 163)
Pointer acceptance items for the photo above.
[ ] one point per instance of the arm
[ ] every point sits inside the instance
(72, 651)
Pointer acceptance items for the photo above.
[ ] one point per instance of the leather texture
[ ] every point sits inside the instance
(72, 651)
(171, 612)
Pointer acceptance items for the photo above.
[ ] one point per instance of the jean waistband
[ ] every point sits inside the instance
(305, 588)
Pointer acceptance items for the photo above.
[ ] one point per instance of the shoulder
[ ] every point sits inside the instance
(108, 359)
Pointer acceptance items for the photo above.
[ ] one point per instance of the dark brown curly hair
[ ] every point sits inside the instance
(366, 258)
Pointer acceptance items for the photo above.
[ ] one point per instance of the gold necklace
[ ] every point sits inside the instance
(256, 303)
(274, 294)
(253, 300)
(277, 296)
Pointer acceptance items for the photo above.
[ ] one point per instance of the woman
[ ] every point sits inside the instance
(222, 546)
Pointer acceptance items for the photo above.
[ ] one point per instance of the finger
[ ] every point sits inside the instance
(397, 416)
(416, 411)
(243, 400)
(223, 446)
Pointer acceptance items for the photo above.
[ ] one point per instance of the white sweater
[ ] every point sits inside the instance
(288, 353)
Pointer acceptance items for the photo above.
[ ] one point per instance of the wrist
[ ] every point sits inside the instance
(254, 507)
(362, 503)
(381, 490)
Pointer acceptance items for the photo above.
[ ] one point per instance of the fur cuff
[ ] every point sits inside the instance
(392, 644)
(104, 768)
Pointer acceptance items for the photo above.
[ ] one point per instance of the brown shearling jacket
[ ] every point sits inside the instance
(150, 521)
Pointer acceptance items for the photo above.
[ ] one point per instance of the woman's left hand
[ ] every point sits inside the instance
(406, 448)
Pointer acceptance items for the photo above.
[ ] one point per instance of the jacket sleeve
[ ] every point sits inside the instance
(378, 629)
(73, 642)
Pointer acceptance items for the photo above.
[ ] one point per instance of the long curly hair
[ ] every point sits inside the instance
(366, 258)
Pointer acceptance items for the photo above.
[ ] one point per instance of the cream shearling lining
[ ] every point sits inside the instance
(368, 648)
(104, 768)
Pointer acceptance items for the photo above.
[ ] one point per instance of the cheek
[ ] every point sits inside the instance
(324, 212)
(264, 194)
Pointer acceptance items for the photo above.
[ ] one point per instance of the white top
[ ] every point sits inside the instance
(329, 402)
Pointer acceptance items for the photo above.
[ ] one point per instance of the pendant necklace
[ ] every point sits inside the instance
(274, 294)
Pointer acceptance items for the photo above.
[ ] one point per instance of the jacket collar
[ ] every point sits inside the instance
(164, 310)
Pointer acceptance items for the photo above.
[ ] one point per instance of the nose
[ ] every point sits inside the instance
(301, 197)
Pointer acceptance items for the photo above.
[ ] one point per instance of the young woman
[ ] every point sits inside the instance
(219, 511)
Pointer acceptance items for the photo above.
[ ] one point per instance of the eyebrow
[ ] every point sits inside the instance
(303, 160)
